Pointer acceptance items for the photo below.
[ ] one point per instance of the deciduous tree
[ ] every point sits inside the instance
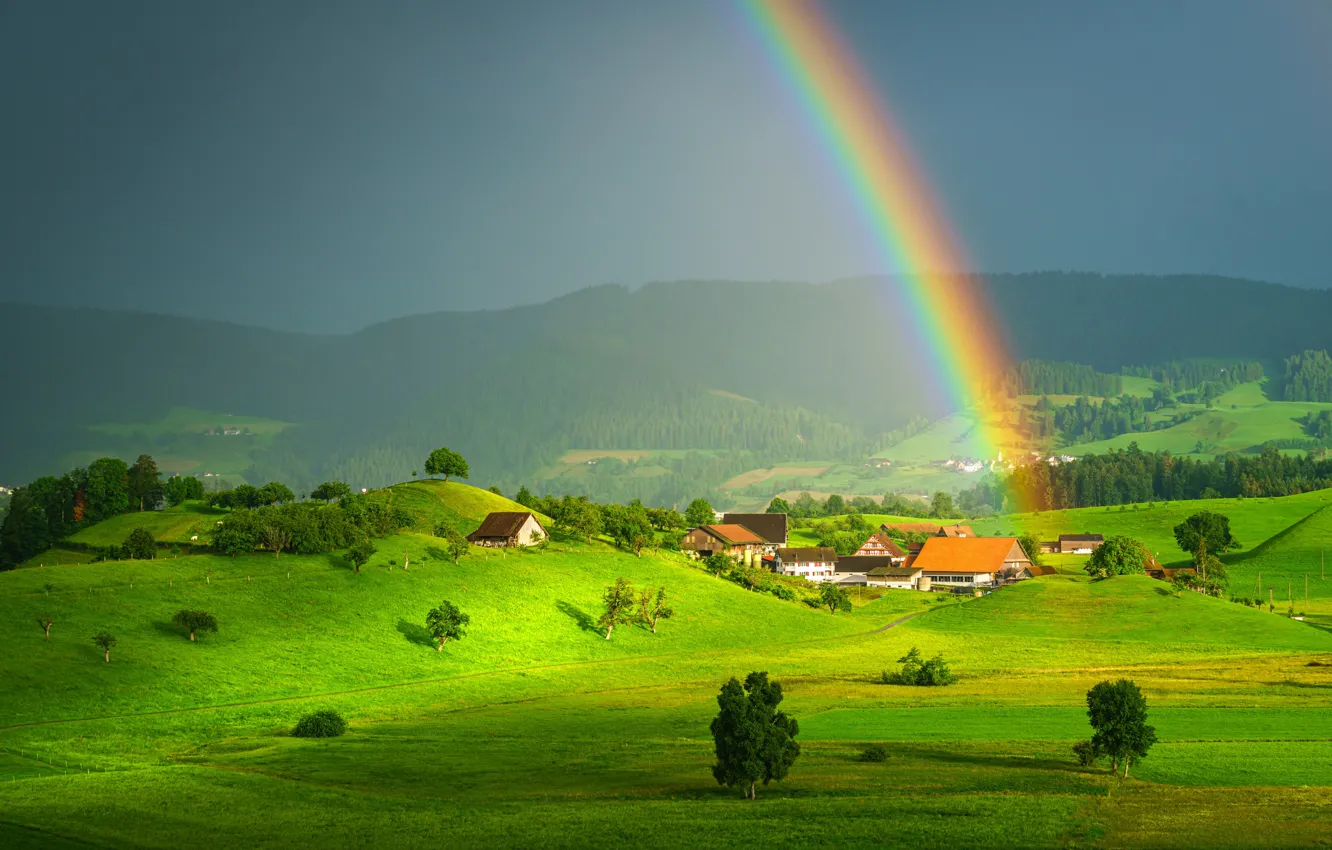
(195, 621)
(752, 740)
(778, 506)
(1118, 556)
(1118, 714)
(360, 553)
(618, 603)
(1213, 529)
(446, 462)
(446, 623)
(276, 536)
(699, 513)
(331, 491)
(140, 545)
(653, 608)
(834, 598)
(45, 623)
(105, 641)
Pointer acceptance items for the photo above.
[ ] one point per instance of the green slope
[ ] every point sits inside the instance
(172, 525)
(1252, 521)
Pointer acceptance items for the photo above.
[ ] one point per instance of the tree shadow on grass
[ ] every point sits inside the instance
(170, 629)
(438, 554)
(584, 621)
(415, 634)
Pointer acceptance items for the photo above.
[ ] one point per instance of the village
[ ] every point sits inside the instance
(951, 558)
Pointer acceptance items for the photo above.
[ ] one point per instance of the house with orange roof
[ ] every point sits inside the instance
(970, 561)
(730, 539)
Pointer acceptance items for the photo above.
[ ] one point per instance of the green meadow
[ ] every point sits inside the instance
(535, 731)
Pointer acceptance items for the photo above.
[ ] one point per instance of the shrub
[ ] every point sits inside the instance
(320, 724)
(874, 754)
(931, 673)
(1086, 753)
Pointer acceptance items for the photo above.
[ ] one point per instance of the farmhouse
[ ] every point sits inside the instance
(734, 540)
(813, 563)
(881, 544)
(771, 527)
(507, 528)
(876, 571)
(958, 530)
(933, 529)
(970, 561)
(1079, 544)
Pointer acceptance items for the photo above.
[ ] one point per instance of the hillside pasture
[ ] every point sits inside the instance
(535, 731)
(170, 525)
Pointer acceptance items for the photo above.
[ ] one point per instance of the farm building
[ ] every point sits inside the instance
(970, 561)
(881, 544)
(933, 529)
(896, 578)
(734, 540)
(813, 563)
(958, 530)
(1079, 544)
(507, 528)
(771, 527)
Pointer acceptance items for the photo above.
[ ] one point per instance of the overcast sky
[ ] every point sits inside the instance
(322, 165)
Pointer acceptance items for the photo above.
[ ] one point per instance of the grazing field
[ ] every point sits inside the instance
(171, 525)
(1252, 521)
(534, 730)
(758, 476)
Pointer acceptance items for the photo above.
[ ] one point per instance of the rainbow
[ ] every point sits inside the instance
(950, 308)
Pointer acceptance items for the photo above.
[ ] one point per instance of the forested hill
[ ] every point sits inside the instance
(774, 368)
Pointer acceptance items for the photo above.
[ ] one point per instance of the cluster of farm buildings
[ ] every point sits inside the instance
(952, 557)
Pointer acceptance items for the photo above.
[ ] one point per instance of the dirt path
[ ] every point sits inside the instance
(899, 621)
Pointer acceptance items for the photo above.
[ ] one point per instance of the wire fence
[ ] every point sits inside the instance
(57, 766)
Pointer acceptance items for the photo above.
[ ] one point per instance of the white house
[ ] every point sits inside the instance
(813, 563)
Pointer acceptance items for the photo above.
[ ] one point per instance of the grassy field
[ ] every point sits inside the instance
(181, 444)
(535, 731)
(172, 525)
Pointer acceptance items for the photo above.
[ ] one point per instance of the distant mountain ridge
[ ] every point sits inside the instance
(511, 388)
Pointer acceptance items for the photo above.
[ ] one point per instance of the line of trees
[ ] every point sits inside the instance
(308, 528)
(1308, 377)
(1041, 377)
(1125, 476)
(51, 508)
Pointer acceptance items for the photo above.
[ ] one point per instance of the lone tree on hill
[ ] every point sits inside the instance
(104, 641)
(446, 623)
(753, 740)
(360, 553)
(1118, 715)
(195, 621)
(653, 608)
(1118, 556)
(1206, 527)
(140, 545)
(718, 563)
(446, 462)
(699, 512)
(45, 623)
(619, 605)
(834, 598)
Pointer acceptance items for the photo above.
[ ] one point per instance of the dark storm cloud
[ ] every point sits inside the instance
(320, 165)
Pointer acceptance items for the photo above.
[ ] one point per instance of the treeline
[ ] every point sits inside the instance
(1086, 420)
(307, 528)
(1308, 377)
(49, 509)
(1040, 377)
(1132, 475)
(1184, 375)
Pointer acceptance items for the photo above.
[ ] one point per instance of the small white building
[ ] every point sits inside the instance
(895, 578)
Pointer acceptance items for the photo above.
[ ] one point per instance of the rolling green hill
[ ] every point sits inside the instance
(535, 731)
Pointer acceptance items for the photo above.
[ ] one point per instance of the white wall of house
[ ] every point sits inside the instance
(959, 579)
(812, 570)
(530, 527)
(892, 583)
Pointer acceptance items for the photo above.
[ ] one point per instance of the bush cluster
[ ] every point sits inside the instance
(920, 672)
(320, 724)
